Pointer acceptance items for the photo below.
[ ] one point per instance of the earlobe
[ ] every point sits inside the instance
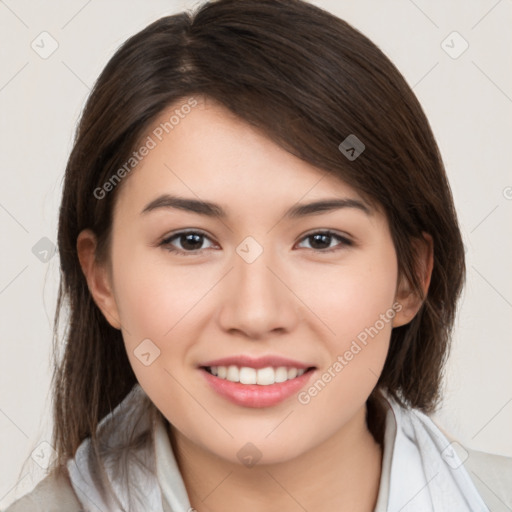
(97, 277)
(406, 296)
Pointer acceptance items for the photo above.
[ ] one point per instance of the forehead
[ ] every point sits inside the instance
(207, 152)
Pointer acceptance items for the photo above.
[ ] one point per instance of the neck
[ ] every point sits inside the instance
(342, 473)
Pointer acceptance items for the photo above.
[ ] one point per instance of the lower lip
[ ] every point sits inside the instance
(255, 395)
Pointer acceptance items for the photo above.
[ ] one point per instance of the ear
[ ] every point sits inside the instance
(408, 298)
(98, 277)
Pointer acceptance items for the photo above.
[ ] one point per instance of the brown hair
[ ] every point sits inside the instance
(307, 80)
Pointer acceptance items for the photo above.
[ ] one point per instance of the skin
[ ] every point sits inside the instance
(294, 300)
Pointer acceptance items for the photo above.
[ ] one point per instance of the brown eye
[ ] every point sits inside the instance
(322, 241)
(185, 242)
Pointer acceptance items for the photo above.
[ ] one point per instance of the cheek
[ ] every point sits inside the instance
(161, 307)
(354, 302)
(357, 303)
(157, 308)
(348, 299)
(155, 297)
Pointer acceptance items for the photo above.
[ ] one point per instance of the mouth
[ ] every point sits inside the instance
(258, 383)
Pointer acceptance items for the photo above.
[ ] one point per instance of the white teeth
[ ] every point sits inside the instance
(292, 373)
(233, 374)
(261, 376)
(265, 376)
(247, 375)
(281, 374)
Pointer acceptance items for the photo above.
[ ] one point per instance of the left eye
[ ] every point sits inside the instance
(321, 241)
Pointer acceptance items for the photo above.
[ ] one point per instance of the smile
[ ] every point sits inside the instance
(263, 376)
(256, 387)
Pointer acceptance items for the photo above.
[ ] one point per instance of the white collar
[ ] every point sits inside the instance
(420, 470)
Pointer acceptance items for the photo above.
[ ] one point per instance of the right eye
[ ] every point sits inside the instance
(190, 242)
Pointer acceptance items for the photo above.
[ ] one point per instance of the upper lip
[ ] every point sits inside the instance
(257, 362)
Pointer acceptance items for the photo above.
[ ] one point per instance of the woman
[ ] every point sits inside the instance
(262, 262)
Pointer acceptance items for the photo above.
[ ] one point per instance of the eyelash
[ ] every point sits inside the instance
(166, 242)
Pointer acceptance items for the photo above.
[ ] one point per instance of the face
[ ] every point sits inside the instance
(297, 304)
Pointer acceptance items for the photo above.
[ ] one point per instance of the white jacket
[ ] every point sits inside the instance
(422, 471)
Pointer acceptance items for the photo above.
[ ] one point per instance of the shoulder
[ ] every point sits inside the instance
(492, 476)
(52, 494)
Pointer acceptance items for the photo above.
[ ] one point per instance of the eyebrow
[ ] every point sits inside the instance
(216, 211)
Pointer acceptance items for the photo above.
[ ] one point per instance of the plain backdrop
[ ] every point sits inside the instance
(465, 92)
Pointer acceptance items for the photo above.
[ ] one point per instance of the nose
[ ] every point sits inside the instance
(257, 302)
